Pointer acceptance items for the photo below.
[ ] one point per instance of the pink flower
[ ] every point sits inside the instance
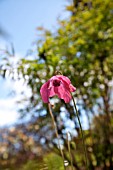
(57, 85)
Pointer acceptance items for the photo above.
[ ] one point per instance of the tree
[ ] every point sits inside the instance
(81, 48)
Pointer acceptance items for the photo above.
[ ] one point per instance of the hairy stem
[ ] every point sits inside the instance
(83, 141)
(56, 132)
(69, 149)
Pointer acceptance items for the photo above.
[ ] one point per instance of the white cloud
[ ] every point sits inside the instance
(8, 105)
(8, 113)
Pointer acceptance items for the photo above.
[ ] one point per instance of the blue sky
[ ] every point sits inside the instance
(20, 19)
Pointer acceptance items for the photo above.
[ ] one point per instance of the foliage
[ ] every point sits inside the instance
(51, 161)
(81, 48)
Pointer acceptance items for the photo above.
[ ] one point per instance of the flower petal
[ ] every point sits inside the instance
(44, 92)
(51, 92)
(67, 83)
(63, 93)
(57, 85)
(64, 79)
(72, 88)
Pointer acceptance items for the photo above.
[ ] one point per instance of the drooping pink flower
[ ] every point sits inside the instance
(57, 85)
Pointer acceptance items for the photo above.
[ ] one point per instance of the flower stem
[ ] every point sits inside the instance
(56, 132)
(83, 141)
(69, 149)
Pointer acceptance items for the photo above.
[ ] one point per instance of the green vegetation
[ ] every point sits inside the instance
(82, 49)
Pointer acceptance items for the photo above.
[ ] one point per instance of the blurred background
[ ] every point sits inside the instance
(38, 38)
